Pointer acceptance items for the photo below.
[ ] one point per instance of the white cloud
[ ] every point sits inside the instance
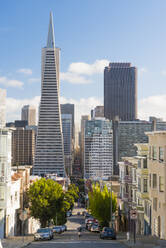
(82, 106)
(74, 78)
(152, 106)
(34, 80)
(25, 71)
(77, 72)
(163, 72)
(88, 69)
(10, 82)
(13, 106)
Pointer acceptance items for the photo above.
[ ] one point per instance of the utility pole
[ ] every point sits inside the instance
(111, 204)
(110, 189)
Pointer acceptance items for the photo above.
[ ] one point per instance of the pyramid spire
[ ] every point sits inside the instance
(51, 38)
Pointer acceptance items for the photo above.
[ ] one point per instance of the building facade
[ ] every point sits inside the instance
(23, 147)
(67, 141)
(98, 111)
(2, 108)
(129, 133)
(9, 190)
(84, 118)
(157, 181)
(98, 149)
(28, 113)
(120, 91)
(49, 154)
(68, 108)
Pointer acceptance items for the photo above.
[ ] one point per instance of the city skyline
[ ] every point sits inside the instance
(85, 52)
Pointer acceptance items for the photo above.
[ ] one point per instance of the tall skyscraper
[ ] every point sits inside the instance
(68, 108)
(2, 108)
(120, 92)
(67, 141)
(28, 113)
(98, 149)
(49, 155)
(84, 118)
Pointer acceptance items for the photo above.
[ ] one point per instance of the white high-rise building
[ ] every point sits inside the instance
(2, 108)
(98, 149)
(28, 113)
(49, 155)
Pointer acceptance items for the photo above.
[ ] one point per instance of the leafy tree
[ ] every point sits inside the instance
(46, 199)
(100, 204)
(70, 200)
(73, 190)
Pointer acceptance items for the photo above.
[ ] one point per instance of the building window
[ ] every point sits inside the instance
(127, 171)
(154, 180)
(154, 153)
(161, 153)
(150, 152)
(150, 180)
(139, 163)
(161, 184)
(155, 204)
(145, 163)
(145, 185)
(139, 184)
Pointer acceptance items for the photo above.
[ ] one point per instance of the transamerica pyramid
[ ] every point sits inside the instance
(49, 154)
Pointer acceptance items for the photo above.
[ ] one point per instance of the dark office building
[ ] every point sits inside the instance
(69, 109)
(120, 91)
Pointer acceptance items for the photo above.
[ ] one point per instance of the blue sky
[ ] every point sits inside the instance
(91, 33)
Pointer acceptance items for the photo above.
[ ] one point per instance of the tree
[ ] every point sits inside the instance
(73, 190)
(46, 199)
(69, 199)
(100, 204)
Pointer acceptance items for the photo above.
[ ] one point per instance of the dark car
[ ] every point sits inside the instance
(57, 229)
(43, 234)
(108, 233)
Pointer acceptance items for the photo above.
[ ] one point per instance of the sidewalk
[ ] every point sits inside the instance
(16, 242)
(145, 241)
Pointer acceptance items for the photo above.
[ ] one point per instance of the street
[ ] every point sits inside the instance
(70, 238)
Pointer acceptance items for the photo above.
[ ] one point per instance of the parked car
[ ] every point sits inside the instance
(57, 229)
(89, 225)
(88, 220)
(108, 233)
(95, 228)
(87, 215)
(43, 234)
(63, 228)
(69, 213)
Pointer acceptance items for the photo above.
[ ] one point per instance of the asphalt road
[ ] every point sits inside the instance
(70, 238)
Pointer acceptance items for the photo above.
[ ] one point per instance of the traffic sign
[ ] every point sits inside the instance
(133, 214)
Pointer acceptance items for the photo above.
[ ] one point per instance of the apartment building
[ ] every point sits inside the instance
(98, 149)
(157, 181)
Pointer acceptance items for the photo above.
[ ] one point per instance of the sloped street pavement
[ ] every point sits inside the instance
(70, 238)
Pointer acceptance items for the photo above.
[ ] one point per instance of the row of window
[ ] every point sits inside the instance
(153, 182)
(153, 154)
